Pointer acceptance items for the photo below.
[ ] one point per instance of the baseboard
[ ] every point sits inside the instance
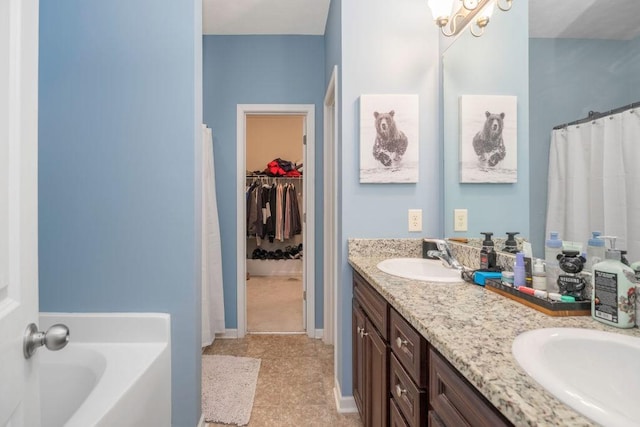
(201, 423)
(233, 334)
(227, 334)
(344, 404)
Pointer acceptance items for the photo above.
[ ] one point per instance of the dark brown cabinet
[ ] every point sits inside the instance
(455, 401)
(399, 380)
(370, 355)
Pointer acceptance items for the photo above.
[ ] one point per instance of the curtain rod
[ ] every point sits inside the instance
(594, 115)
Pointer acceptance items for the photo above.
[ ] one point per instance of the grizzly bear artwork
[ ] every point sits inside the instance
(391, 143)
(488, 143)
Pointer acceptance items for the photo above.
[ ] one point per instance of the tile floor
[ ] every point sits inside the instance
(295, 384)
(274, 304)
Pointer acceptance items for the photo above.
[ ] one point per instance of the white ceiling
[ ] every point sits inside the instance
(235, 17)
(603, 19)
(584, 19)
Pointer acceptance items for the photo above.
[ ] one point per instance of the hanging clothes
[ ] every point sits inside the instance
(273, 211)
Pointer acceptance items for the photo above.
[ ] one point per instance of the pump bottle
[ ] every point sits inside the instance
(614, 290)
(511, 245)
(487, 253)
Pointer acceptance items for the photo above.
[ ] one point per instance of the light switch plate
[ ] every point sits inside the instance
(460, 220)
(415, 219)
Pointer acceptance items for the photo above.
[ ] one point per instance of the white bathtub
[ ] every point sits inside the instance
(115, 371)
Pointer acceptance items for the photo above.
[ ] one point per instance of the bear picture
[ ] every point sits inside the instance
(488, 139)
(391, 143)
(388, 138)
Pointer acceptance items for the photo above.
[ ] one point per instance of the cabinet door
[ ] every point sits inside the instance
(357, 340)
(377, 378)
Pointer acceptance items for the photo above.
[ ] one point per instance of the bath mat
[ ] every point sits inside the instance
(228, 388)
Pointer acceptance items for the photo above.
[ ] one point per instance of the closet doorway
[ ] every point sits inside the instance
(275, 219)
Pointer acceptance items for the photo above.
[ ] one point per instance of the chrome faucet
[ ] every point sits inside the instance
(443, 253)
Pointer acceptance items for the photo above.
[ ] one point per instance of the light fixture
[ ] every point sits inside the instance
(453, 16)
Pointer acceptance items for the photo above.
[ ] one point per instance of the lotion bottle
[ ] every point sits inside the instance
(614, 286)
(552, 248)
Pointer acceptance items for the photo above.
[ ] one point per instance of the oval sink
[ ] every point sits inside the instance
(594, 372)
(420, 269)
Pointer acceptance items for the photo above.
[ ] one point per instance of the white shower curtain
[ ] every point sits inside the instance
(212, 292)
(594, 177)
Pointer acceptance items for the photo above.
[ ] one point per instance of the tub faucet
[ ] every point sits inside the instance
(443, 253)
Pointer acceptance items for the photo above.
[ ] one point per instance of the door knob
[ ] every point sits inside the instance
(54, 339)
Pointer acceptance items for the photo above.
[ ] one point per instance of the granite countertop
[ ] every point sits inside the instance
(474, 329)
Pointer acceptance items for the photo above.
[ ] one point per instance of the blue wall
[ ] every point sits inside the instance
(386, 49)
(258, 70)
(118, 203)
(494, 64)
(568, 78)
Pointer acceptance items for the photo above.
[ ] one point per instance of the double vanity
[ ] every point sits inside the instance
(441, 353)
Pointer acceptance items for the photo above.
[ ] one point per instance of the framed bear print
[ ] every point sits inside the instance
(488, 139)
(388, 138)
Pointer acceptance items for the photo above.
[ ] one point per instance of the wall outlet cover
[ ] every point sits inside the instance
(460, 220)
(415, 220)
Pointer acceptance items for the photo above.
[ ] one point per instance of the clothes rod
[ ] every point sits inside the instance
(594, 115)
(274, 177)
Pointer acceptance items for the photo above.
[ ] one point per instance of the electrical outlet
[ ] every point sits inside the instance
(415, 219)
(459, 220)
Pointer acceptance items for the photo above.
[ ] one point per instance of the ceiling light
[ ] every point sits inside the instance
(453, 16)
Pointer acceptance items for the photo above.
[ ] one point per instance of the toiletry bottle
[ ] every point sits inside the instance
(595, 250)
(510, 245)
(487, 253)
(636, 267)
(518, 271)
(614, 286)
(553, 247)
(539, 276)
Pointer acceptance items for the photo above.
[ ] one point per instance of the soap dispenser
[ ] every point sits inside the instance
(614, 290)
(487, 253)
(510, 245)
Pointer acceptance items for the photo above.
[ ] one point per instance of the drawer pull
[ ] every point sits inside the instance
(400, 342)
(400, 391)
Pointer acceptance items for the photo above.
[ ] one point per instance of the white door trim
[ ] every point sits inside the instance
(330, 206)
(308, 197)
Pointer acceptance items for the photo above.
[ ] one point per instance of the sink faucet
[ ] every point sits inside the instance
(443, 253)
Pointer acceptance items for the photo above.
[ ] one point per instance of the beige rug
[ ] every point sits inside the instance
(274, 304)
(228, 388)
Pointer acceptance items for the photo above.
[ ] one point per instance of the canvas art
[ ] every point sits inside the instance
(388, 138)
(488, 139)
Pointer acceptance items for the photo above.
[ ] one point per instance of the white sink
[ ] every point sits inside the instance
(420, 269)
(596, 373)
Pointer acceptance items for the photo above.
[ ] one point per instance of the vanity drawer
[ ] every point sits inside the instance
(411, 401)
(396, 418)
(455, 401)
(409, 347)
(375, 307)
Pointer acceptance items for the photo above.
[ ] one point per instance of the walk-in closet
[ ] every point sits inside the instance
(274, 223)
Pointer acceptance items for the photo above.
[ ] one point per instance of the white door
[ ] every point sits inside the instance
(19, 397)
